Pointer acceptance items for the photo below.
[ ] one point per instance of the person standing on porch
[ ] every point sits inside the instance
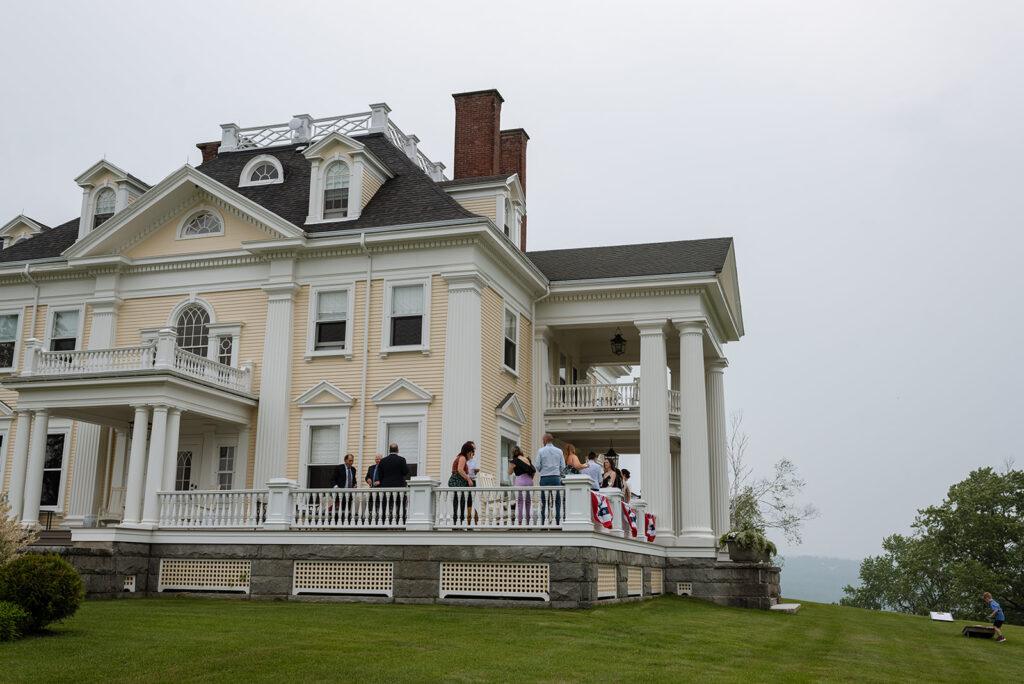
(593, 470)
(460, 477)
(372, 470)
(523, 470)
(549, 464)
(344, 477)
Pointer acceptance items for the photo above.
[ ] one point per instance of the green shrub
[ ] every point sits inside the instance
(12, 620)
(46, 587)
(749, 539)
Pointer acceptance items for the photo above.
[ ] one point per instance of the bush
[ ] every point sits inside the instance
(749, 539)
(46, 587)
(12, 620)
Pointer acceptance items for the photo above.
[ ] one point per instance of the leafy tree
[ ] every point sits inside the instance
(971, 543)
(764, 503)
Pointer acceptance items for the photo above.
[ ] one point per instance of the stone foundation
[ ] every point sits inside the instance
(573, 571)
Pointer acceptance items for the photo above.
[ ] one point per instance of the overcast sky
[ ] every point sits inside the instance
(865, 156)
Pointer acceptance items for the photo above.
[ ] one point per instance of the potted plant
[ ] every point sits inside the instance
(748, 545)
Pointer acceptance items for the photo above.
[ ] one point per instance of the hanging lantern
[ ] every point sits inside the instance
(611, 453)
(618, 343)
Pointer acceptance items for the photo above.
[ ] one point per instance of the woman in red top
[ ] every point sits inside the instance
(460, 478)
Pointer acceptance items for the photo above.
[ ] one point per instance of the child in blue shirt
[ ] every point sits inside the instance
(996, 616)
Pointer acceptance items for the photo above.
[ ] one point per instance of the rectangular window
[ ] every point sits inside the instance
(511, 337)
(506, 459)
(226, 467)
(407, 437)
(324, 454)
(331, 320)
(407, 315)
(8, 339)
(64, 334)
(224, 349)
(183, 471)
(53, 468)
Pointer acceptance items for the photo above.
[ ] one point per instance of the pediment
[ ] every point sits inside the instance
(166, 204)
(511, 408)
(21, 226)
(5, 411)
(338, 145)
(402, 391)
(324, 394)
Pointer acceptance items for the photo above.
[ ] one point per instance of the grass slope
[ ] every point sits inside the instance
(667, 639)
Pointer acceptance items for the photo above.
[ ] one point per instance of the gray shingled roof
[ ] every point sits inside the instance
(49, 243)
(623, 261)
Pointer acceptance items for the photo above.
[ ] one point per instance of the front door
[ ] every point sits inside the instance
(186, 473)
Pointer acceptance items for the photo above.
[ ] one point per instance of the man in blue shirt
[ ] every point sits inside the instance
(996, 616)
(549, 464)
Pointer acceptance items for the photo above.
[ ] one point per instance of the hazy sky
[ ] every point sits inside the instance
(866, 157)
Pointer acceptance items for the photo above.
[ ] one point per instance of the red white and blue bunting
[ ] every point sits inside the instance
(649, 526)
(630, 515)
(602, 511)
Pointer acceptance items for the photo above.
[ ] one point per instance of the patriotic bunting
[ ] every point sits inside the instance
(602, 511)
(649, 526)
(630, 515)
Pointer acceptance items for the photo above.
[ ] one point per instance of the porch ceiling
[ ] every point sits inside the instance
(592, 344)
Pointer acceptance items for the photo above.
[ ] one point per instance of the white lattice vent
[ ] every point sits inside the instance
(501, 580)
(341, 577)
(684, 589)
(657, 580)
(606, 585)
(634, 581)
(204, 575)
(129, 583)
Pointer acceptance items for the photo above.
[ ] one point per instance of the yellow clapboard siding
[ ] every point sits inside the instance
(370, 187)
(481, 206)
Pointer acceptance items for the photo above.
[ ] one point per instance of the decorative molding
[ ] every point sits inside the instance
(511, 403)
(383, 396)
(305, 400)
(603, 295)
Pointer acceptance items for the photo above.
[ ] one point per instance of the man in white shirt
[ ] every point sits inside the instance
(549, 464)
(593, 469)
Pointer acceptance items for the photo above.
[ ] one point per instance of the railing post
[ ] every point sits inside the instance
(421, 503)
(279, 503)
(379, 117)
(32, 349)
(165, 349)
(614, 495)
(576, 516)
(248, 367)
(228, 137)
(640, 506)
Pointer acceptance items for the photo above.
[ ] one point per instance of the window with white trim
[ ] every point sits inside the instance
(64, 330)
(263, 173)
(407, 437)
(226, 467)
(202, 224)
(106, 201)
(406, 319)
(336, 185)
(511, 350)
(53, 471)
(324, 455)
(193, 329)
(8, 341)
(183, 471)
(263, 169)
(225, 349)
(330, 329)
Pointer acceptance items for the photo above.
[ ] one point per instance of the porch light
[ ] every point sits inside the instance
(611, 453)
(618, 343)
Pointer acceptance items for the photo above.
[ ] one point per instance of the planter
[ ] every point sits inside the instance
(743, 555)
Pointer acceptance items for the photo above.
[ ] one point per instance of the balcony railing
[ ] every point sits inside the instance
(160, 354)
(236, 508)
(674, 401)
(593, 397)
(326, 509)
(499, 508)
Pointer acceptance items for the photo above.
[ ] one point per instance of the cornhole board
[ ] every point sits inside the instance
(979, 631)
(941, 617)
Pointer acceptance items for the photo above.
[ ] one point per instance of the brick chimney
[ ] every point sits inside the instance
(477, 133)
(209, 150)
(513, 153)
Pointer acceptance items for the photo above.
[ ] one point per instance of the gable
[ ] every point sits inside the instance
(324, 394)
(511, 408)
(165, 239)
(402, 391)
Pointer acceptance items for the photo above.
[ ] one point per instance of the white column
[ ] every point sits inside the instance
(541, 378)
(694, 470)
(271, 458)
(655, 456)
(463, 366)
(135, 487)
(718, 460)
(171, 449)
(155, 466)
(241, 459)
(34, 473)
(16, 485)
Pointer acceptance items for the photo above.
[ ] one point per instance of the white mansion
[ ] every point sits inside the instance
(179, 354)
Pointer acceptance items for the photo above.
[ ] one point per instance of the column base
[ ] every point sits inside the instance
(697, 538)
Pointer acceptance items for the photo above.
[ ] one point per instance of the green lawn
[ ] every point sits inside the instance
(668, 639)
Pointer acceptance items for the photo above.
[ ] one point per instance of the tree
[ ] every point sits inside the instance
(13, 537)
(971, 543)
(763, 503)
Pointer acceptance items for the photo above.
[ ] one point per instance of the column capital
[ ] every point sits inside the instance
(541, 332)
(280, 291)
(465, 280)
(164, 408)
(715, 365)
(690, 327)
(105, 304)
(651, 326)
(173, 411)
(41, 412)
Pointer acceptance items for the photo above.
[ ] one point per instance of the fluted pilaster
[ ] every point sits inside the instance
(461, 412)
(271, 457)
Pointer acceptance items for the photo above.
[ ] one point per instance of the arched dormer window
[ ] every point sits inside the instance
(336, 191)
(263, 169)
(193, 329)
(106, 200)
(201, 224)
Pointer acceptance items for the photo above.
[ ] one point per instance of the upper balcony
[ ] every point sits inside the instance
(599, 406)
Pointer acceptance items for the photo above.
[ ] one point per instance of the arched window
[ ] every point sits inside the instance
(193, 328)
(202, 224)
(263, 173)
(105, 202)
(336, 191)
(183, 472)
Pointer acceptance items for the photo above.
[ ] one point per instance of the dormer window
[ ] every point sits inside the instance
(201, 224)
(263, 172)
(106, 200)
(336, 191)
(264, 169)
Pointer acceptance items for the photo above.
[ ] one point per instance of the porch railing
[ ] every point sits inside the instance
(95, 360)
(323, 509)
(236, 508)
(594, 397)
(499, 507)
(674, 401)
(202, 368)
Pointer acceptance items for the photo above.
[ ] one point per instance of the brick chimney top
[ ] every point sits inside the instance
(209, 150)
(474, 93)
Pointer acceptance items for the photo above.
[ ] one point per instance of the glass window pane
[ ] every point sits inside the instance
(224, 348)
(183, 472)
(51, 488)
(407, 437)
(6, 354)
(510, 325)
(194, 329)
(337, 176)
(263, 172)
(54, 451)
(203, 224)
(324, 444)
(406, 330)
(330, 334)
(406, 300)
(65, 324)
(8, 327)
(332, 306)
(105, 202)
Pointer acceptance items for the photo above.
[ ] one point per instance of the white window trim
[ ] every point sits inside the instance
(201, 209)
(306, 441)
(404, 414)
(50, 311)
(386, 346)
(509, 430)
(243, 179)
(519, 324)
(233, 444)
(318, 183)
(66, 431)
(314, 293)
(20, 313)
(219, 330)
(94, 195)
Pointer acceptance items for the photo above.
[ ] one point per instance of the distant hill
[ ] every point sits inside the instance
(817, 578)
